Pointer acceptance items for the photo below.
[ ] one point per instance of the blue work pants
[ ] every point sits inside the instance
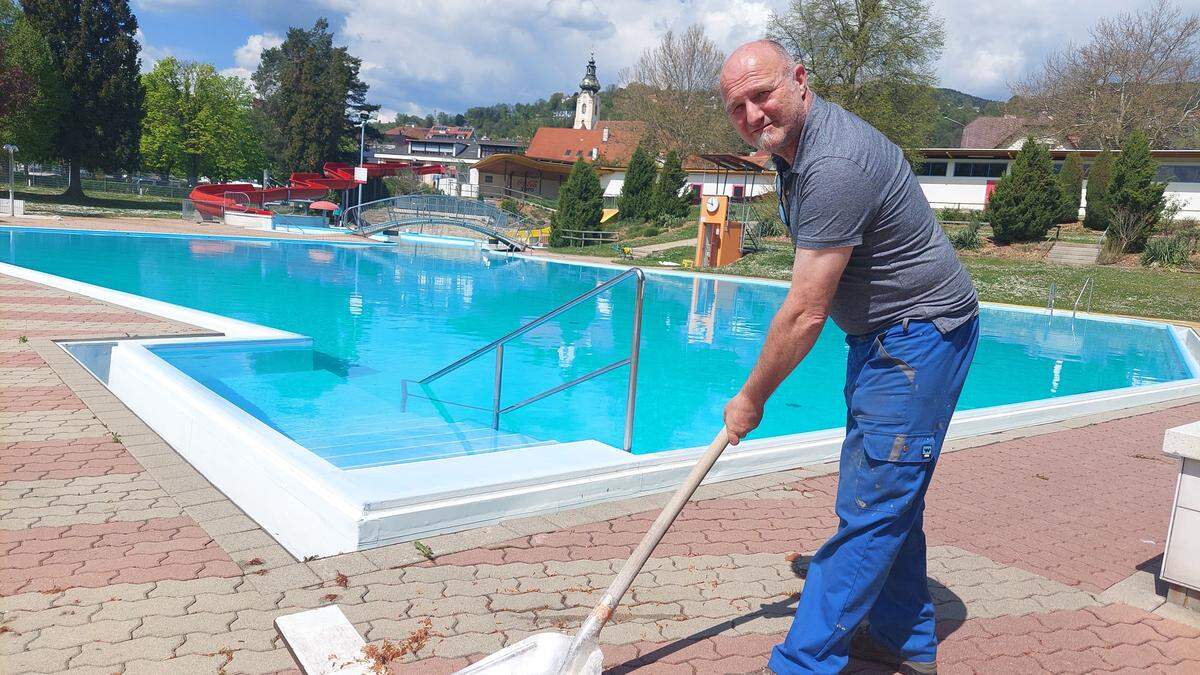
(902, 384)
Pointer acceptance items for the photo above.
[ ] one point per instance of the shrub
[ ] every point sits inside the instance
(1135, 197)
(955, 215)
(666, 199)
(580, 203)
(766, 211)
(1098, 214)
(1027, 200)
(1070, 182)
(1172, 251)
(509, 204)
(636, 191)
(967, 238)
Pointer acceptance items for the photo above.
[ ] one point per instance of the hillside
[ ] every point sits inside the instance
(521, 120)
(962, 108)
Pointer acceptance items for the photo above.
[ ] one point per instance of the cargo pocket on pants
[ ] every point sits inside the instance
(891, 469)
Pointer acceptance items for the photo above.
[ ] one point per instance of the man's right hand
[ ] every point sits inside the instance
(742, 415)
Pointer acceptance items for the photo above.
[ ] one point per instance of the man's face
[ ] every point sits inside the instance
(764, 101)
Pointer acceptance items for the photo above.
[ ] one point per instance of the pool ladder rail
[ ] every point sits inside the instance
(498, 346)
(1089, 287)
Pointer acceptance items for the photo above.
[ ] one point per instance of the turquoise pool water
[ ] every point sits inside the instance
(379, 314)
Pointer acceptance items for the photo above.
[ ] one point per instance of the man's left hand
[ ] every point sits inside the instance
(742, 415)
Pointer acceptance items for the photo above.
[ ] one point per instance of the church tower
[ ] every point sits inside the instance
(587, 104)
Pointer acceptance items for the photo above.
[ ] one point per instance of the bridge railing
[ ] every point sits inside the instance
(408, 210)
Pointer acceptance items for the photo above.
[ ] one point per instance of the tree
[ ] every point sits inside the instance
(667, 200)
(1135, 197)
(93, 48)
(636, 192)
(673, 88)
(874, 58)
(1098, 212)
(309, 90)
(1027, 201)
(198, 121)
(1137, 71)
(16, 86)
(1070, 183)
(580, 203)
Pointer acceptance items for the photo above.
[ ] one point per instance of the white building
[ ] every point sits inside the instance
(964, 177)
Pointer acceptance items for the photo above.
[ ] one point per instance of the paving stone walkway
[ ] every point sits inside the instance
(116, 556)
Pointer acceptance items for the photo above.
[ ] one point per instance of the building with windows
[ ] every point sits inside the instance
(965, 177)
(450, 144)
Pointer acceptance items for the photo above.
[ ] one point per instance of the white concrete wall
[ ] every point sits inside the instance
(968, 193)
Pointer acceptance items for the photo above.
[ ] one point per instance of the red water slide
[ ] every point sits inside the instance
(214, 199)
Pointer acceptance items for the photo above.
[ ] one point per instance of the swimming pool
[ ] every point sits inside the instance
(378, 315)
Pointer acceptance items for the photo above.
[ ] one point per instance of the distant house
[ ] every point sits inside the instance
(1009, 132)
(459, 145)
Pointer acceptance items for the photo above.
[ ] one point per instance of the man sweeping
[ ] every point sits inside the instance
(870, 255)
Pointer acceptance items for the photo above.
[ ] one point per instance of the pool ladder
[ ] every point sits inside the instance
(498, 346)
(1089, 287)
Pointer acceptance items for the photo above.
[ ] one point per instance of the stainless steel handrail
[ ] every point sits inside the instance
(1089, 286)
(1050, 298)
(498, 346)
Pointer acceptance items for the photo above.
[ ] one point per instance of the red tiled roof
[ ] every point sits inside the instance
(1002, 131)
(560, 144)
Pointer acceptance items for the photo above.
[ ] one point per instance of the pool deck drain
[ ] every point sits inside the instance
(117, 556)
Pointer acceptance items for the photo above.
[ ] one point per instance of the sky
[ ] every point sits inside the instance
(422, 56)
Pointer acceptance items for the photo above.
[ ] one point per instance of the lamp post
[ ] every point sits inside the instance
(12, 203)
(363, 117)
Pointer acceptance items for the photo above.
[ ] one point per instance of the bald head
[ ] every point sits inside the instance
(766, 95)
(759, 53)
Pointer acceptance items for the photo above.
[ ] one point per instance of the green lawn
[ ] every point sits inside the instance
(1136, 291)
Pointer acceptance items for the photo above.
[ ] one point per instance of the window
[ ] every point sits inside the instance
(1179, 173)
(979, 169)
(567, 152)
(739, 191)
(694, 189)
(933, 169)
(487, 178)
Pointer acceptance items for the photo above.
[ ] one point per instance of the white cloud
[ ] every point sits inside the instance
(452, 54)
(247, 57)
(989, 47)
(150, 54)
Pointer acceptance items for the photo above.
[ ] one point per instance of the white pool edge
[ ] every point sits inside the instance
(313, 508)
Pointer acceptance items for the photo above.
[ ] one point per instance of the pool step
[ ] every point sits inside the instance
(364, 441)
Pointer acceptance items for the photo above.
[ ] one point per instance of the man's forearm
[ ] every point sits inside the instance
(791, 336)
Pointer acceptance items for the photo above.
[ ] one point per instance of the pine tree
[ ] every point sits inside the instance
(1098, 212)
(310, 92)
(95, 51)
(636, 192)
(1135, 197)
(1070, 182)
(1027, 201)
(580, 202)
(667, 200)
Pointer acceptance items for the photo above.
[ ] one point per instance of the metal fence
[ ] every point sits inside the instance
(54, 179)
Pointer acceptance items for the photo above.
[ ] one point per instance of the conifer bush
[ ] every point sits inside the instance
(580, 203)
(1027, 201)
(1098, 212)
(1070, 181)
(637, 190)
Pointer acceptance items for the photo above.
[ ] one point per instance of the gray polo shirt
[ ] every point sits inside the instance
(848, 185)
